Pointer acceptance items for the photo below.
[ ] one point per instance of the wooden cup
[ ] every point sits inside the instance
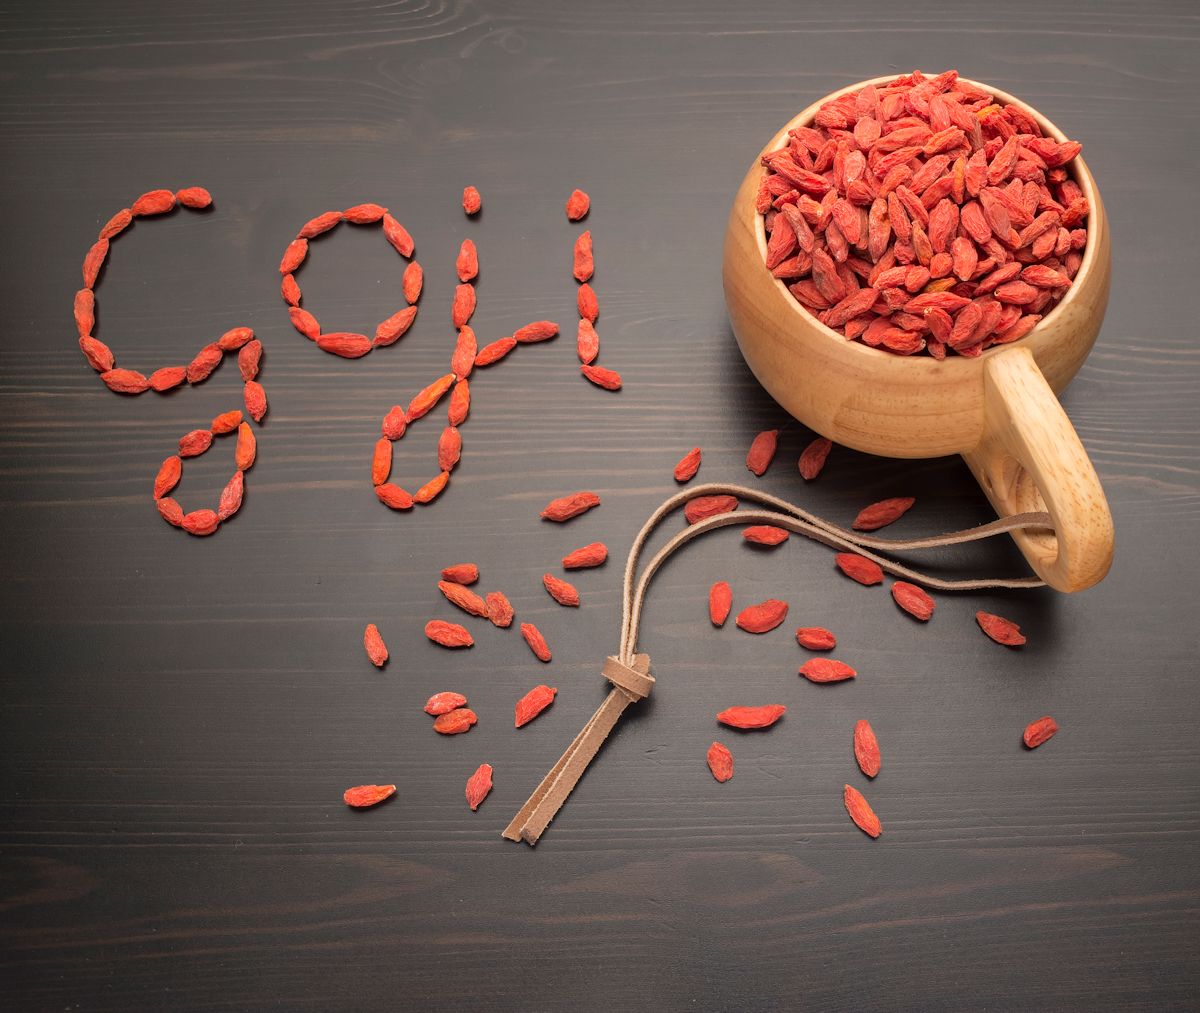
(999, 411)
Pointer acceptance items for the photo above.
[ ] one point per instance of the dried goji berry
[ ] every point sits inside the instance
(93, 260)
(539, 330)
(584, 265)
(116, 224)
(226, 422)
(587, 342)
(156, 202)
(123, 381)
(231, 497)
(813, 458)
(463, 305)
(762, 451)
(866, 749)
(393, 496)
(100, 358)
(431, 489)
(167, 378)
(428, 398)
(449, 448)
(206, 360)
(465, 350)
(443, 703)
(463, 597)
(816, 638)
(500, 610)
(703, 507)
(762, 617)
(84, 310)
(914, 600)
(366, 795)
(461, 573)
(826, 670)
(394, 423)
(479, 783)
(319, 225)
(363, 214)
(586, 556)
(293, 256)
(168, 475)
(195, 443)
(467, 262)
(688, 465)
(398, 236)
(535, 640)
(391, 330)
(765, 534)
(572, 505)
(460, 404)
(249, 359)
(720, 601)
(347, 344)
(412, 283)
(880, 514)
(861, 812)
(255, 399)
(587, 303)
(859, 568)
(381, 461)
(752, 717)
(533, 703)
(171, 511)
(577, 205)
(720, 762)
(1001, 630)
(448, 634)
(561, 591)
(376, 649)
(200, 522)
(193, 197)
(494, 352)
(246, 449)
(609, 379)
(1037, 732)
(455, 722)
(235, 338)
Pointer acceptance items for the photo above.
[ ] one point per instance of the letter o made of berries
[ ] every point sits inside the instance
(349, 344)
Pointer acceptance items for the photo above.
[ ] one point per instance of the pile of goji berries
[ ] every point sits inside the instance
(923, 215)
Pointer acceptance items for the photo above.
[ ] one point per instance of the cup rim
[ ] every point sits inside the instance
(1078, 170)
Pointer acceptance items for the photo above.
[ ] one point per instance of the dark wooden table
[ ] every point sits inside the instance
(181, 715)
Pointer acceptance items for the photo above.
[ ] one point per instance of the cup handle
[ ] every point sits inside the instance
(1029, 459)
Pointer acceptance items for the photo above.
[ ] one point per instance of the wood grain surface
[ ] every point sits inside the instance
(180, 716)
